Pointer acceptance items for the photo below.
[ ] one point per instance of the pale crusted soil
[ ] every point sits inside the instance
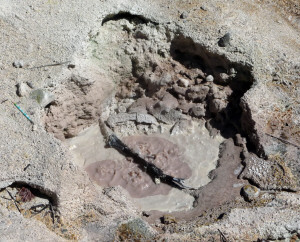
(264, 43)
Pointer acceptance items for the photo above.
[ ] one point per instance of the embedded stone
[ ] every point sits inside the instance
(250, 192)
(198, 93)
(179, 90)
(198, 110)
(183, 82)
(209, 78)
(217, 105)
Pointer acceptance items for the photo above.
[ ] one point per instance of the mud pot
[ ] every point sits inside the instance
(172, 101)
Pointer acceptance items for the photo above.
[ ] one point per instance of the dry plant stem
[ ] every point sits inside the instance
(56, 64)
(15, 202)
(155, 172)
(52, 213)
(222, 236)
(45, 206)
(283, 140)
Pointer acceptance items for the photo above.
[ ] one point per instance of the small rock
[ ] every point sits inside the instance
(223, 78)
(165, 79)
(204, 8)
(225, 40)
(43, 97)
(145, 118)
(209, 78)
(183, 82)
(198, 93)
(22, 89)
(122, 109)
(30, 84)
(218, 93)
(18, 64)
(168, 219)
(169, 101)
(116, 119)
(184, 15)
(182, 126)
(185, 106)
(166, 116)
(179, 90)
(198, 110)
(34, 127)
(217, 105)
(232, 71)
(136, 228)
(250, 192)
(199, 81)
(71, 66)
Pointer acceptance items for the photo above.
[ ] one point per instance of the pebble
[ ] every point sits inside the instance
(18, 64)
(185, 106)
(198, 93)
(232, 71)
(22, 89)
(34, 127)
(225, 40)
(250, 192)
(179, 90)
(209, 78)
(184, 15)
(30, 84)
(217, 105)
(198, 110)
(168, 219)
(43, 97)
(223, 78)
(183, 82)
(204, 8)
(122, 109)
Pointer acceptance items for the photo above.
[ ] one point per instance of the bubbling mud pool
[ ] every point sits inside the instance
(190, 155)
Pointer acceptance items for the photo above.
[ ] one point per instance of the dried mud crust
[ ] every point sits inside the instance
(165, 80)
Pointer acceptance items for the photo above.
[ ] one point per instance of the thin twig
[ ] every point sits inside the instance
(222, 236)
(3, 101)
(25, 168)
(56, 64)
(283, 140)
(52, 213)
(15, 202)
(38, 212)
(6, 198)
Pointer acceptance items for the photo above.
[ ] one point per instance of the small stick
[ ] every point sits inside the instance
(222, 236)
(52, 213)
(56, 64)
(3, 101)
(38, 212)
(283, 140)
(25, 114)
(156, 173)
(13, 200)
(6, 198)
(25, 168)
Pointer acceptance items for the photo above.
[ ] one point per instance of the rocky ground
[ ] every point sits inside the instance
(149, 68)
